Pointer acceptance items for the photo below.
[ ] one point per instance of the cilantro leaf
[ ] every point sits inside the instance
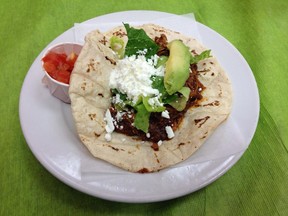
(195, 59)
(158, 83)
(138, 40)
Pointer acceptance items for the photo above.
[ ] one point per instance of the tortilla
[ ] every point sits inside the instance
(90, 98)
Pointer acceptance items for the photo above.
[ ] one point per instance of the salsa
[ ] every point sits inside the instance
(59, 66)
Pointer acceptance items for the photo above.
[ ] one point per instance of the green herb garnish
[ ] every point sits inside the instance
(195, 59)
(138, 40)
(141, 121)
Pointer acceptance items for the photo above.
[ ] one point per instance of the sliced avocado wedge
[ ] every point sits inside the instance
(177, 66)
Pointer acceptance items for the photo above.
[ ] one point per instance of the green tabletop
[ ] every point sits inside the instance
(256, 185)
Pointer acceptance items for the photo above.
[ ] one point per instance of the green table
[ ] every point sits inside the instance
(256, 185)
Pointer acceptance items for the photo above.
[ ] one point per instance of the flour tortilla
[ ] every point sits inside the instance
(90, 98)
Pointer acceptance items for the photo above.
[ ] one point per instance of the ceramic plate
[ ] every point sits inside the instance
(49, 130)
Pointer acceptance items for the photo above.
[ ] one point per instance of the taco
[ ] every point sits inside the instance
(142, 129)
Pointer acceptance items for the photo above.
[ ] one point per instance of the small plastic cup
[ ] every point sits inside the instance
(58, 89)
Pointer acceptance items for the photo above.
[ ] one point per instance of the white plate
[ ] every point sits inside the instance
(49, 130)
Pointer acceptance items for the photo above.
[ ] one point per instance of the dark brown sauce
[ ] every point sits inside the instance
(143, 170)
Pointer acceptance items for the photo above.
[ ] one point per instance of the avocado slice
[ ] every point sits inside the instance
(177, 66)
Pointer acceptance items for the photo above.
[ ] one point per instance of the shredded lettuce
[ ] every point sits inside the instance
(161, 61)
(179, 103)
(138, 40)
(195, 59)
(158, 83)
(124, 101)
(141, 121)
(157, 106)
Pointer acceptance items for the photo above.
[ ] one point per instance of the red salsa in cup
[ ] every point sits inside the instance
(59, 66)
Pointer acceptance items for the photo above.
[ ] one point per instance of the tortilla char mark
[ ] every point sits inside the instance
(120, 33)
(201, 121)
(103, 40)
(110, 60)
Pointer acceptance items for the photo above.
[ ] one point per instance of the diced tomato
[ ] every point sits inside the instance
(55, 57)
(63, 76)
(59, 66)
(49, 66)
(63, 66)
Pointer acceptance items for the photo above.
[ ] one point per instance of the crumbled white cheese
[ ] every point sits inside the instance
(165, 114)
(119, 116)
(116, 99)
(148, 135)
(109, 125)
(153, 60)
(108, 137)
(169, 132)
(159, 142)
(132, 76)
(109, 122)
(142, 52)
(154, 101)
